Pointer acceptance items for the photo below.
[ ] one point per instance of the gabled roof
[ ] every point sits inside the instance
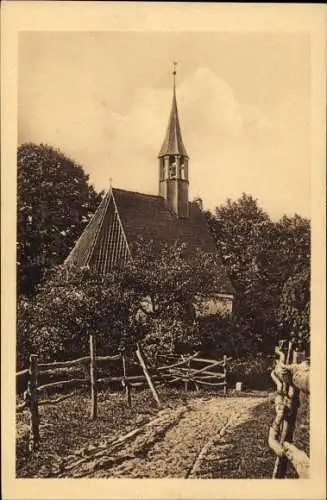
(103, 244)
(123, 217)
(173, 142)
(147, 216)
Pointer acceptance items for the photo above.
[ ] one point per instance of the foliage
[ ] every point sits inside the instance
(170, 336)
(220, 335)
(152, 301)
(155, 299)
(294, 310)
(241, 230)
(65, 313)
(23, 338)
(253, 371)
(54, 204)
(260, 256)
(175, 279)
(172, 284)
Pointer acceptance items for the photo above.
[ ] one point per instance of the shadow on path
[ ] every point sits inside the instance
(244, 453)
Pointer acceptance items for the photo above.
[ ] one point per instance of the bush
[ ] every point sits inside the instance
(253, 372)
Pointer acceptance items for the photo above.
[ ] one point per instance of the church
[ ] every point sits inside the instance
(168, 217)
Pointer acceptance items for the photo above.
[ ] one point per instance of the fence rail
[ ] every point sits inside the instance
(70, 363)
(183, 371)
(180, 370)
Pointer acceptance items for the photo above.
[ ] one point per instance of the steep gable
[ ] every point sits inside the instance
(103, 243)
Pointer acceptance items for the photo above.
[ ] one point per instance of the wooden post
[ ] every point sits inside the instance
(288, 428)
(295, 357)
(291, 402)
(125, 381)
(32, 397)
(93, 379)
(289, 352)
(225, 375)
(148, 378)
(188, 375)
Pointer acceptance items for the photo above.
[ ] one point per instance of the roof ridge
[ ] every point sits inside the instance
(138, 193)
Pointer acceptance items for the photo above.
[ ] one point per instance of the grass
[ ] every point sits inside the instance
(66, 427)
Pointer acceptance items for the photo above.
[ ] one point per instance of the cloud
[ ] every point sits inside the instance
(234, 147)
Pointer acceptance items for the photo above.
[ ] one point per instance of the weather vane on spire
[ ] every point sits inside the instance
(174, 72)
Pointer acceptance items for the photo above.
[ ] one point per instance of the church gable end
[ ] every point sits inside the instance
(102, 245)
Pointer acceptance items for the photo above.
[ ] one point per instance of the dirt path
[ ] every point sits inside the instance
(178, 443)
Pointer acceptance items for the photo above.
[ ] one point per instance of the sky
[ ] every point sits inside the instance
(103, 98)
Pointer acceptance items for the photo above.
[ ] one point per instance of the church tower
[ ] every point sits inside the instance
(173, 164)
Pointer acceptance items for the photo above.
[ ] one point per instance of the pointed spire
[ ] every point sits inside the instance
(173, 142)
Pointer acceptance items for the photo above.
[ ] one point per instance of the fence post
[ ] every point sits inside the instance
(288, 427)
(225, 375)
(93, 379)
(296, 356)
(148, 378)
(290, 409)
(125, 380)
(32, 397)
(289, 352)
(188, 375)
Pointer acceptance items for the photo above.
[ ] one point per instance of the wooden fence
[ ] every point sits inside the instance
(185, 370)
(196, 370)
(33, 391)
(290, 379)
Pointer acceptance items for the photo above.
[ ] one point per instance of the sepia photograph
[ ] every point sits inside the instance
(165, 207)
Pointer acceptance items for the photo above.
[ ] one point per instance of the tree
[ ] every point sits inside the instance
(54, 204)
(175, 279)
(294, 309)
(65, 313)
(173, 284)
(260, 256)
(241, 230)
(291, 246)
(151, 301)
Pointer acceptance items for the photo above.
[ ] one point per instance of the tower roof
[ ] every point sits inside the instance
(173, 142)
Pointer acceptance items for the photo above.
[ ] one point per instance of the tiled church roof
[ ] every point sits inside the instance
(146, 215)
(123, 217)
